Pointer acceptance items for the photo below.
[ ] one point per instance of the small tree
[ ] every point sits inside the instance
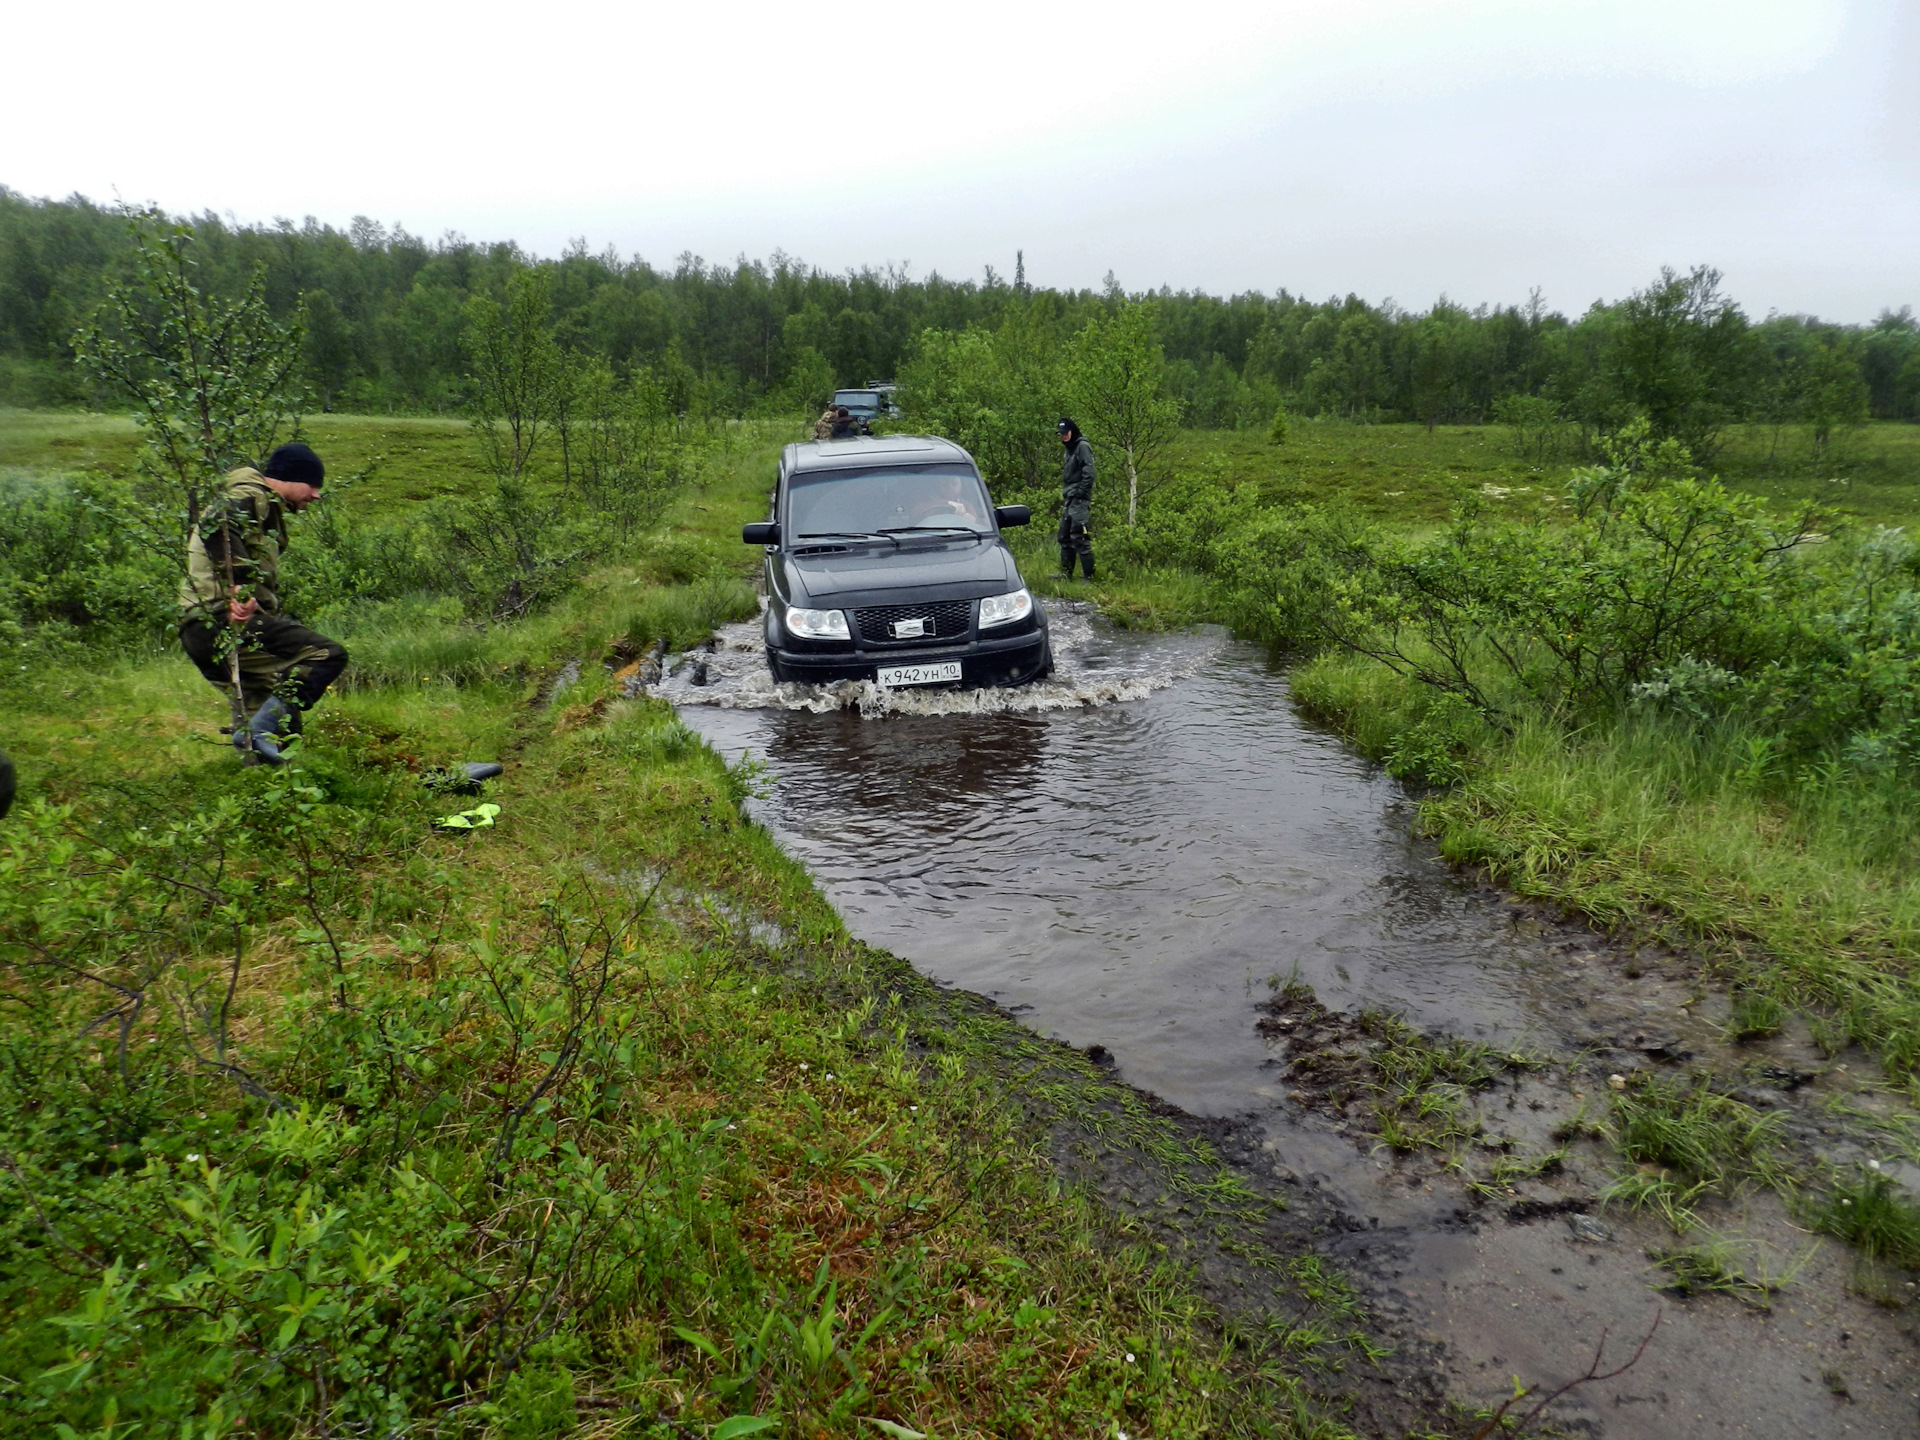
(1833, 392)
(808, 384)
(213, 382)
(519, 379)
(617, 444)
(1117, 377)
(1280, 427)
(995, 391)
(1682, 354)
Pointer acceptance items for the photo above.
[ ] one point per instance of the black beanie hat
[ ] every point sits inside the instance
(295, 463)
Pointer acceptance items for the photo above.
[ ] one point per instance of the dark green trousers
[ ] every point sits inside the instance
(278, 655)
(1076, 540)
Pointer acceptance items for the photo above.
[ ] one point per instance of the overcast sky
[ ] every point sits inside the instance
(1393, 148)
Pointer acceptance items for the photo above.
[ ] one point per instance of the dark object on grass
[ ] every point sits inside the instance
(464, 779)
(8, 784)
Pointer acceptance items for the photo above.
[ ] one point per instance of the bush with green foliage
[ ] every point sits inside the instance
(70, 572)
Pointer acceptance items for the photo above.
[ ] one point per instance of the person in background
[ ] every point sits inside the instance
(233, 580)
(823, 427)
(844, 425)
(1076, 500)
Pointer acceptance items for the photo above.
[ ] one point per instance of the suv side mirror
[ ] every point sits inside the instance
(761, 532)
(1013, 514)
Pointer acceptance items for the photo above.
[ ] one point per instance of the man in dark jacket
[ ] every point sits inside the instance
(231, 625)
(1076, 500)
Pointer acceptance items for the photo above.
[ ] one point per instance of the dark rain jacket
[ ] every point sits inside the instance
(1076, 481)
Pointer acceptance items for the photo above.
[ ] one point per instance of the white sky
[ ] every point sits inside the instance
(1399, 148)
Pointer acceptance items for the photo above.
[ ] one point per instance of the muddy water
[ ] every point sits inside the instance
(1122, 874)
(1124, 856)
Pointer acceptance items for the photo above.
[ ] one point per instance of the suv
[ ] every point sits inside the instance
(866, 406)
(885, 562)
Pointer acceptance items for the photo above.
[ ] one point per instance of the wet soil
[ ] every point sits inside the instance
(1147, 856)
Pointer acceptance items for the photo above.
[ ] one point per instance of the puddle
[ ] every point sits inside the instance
(1124, 855)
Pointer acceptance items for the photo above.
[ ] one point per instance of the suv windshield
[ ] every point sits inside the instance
(872, 501)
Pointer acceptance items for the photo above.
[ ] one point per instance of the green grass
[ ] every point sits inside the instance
(1867, 1211)
(418, 458)
(1406, 475)
(1721, 1266)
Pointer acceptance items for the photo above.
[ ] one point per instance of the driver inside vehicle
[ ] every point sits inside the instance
(949, 503)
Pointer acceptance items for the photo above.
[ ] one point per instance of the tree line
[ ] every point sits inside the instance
(387, 319)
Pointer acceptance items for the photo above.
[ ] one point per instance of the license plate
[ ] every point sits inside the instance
(919, 674)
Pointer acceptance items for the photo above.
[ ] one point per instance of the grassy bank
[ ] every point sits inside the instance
(318, 1116)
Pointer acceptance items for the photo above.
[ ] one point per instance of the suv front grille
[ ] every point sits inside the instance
(945, 620)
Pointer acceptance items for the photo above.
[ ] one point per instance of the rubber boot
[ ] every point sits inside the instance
(1087, 565)
(263, 731)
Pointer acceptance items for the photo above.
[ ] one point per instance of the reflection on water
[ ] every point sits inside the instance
(1126, 859)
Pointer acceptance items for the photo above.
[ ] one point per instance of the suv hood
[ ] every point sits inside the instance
(881, 575)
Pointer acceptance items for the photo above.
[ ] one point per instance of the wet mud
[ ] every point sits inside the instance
(1153, 859)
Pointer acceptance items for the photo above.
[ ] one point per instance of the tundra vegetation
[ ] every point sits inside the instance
(318, 1116)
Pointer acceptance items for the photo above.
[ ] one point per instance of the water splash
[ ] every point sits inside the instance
(1091, 666)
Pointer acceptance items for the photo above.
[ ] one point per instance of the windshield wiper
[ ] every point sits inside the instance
(844, 535)
(932, 530)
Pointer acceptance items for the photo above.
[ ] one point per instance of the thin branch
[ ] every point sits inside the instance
(1592, 1376)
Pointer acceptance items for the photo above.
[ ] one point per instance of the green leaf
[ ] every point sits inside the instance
(701, 1342)
(899, 1432)
(746, 1425)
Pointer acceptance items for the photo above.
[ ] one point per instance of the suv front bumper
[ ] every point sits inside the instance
(984, 660)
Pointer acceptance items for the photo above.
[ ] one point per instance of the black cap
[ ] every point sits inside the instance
(1068, 425)
(295, 463)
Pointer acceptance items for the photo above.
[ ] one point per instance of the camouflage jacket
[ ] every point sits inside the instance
(247, 526)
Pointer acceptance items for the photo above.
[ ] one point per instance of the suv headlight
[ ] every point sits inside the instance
(1005, 609)
(818, 624)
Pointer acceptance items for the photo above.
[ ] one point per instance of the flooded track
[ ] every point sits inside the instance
(1127, 875)
(1126, 854)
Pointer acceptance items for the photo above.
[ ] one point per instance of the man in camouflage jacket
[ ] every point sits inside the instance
(230, 615)
(1076, 497)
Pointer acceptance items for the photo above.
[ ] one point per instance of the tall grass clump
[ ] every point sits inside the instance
(683, 615)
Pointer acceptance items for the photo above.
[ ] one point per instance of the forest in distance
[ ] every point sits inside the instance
(386, 316)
